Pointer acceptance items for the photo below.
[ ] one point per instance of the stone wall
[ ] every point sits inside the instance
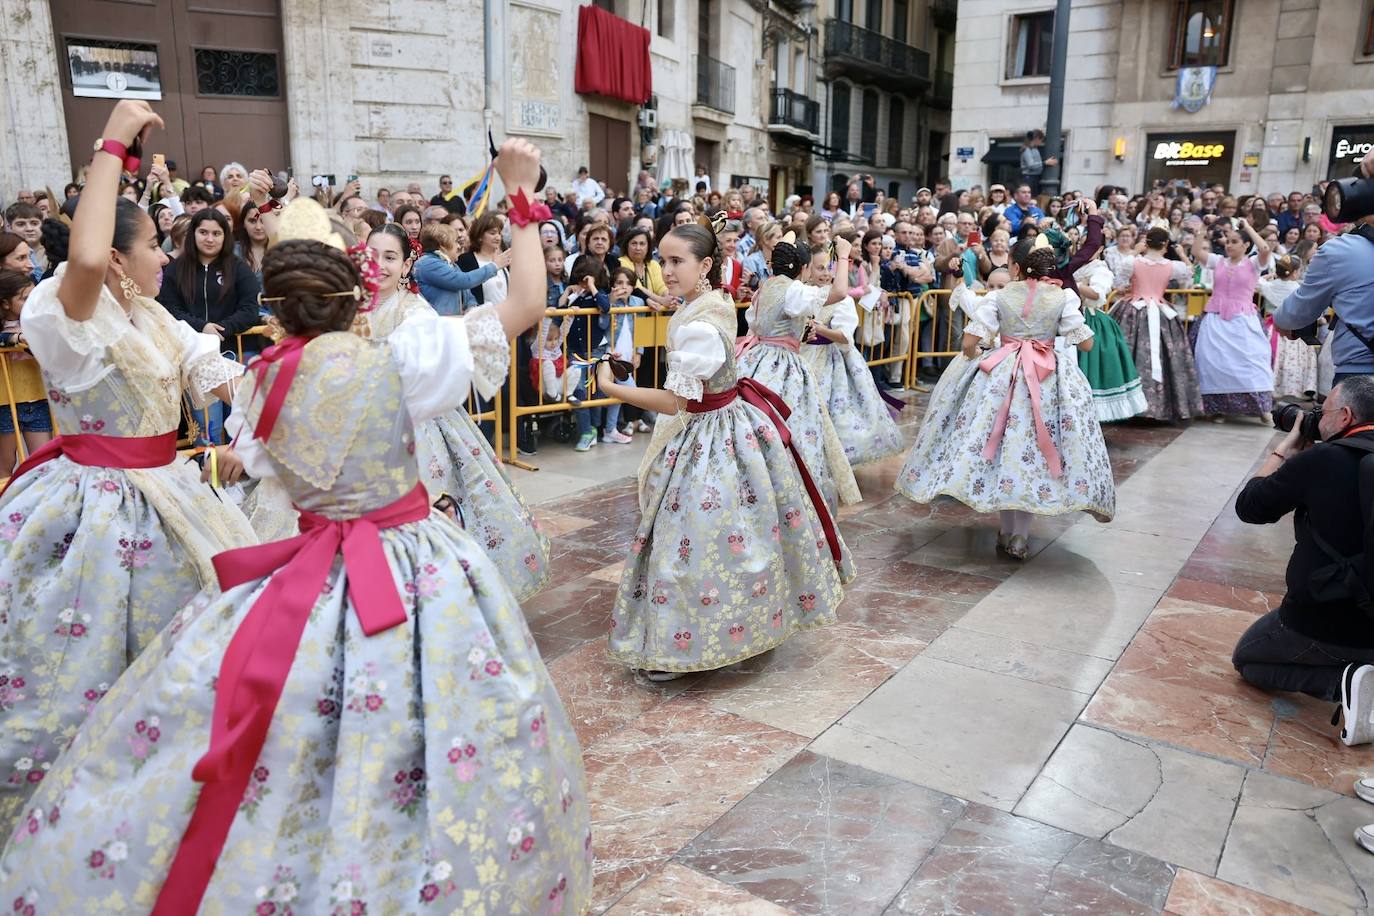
(33, 133)
(1294, 72)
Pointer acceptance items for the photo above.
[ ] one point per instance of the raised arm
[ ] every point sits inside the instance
(517, 162)
(839, 286)
(1261, 246)
(88, 253)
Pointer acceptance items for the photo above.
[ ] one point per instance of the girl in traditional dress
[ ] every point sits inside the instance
(735, 550)
(861, 417)
(1154, 330)
(106, 533)
(371, 734)
(1109, 365)
(1295, 361)
(771, 355)
(1014, 430)
(455, 458)
(1234, 361)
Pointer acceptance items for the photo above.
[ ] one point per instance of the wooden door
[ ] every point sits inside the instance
(609, 147)
(219, 65)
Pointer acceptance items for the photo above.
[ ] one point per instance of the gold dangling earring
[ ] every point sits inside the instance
(128, 288)
(703, 284)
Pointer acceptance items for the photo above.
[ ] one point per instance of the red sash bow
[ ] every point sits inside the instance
(776, 409)
(1035, 362)
(288, 352)
(258, 661)
(103, 452)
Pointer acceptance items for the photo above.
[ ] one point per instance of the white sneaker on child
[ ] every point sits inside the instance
(618, 437)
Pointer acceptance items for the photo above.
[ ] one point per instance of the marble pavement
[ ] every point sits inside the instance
(975, 735)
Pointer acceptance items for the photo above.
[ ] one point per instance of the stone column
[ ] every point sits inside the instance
(319, 89)
(33, 128)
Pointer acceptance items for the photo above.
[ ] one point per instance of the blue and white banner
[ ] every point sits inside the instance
(1194, 87)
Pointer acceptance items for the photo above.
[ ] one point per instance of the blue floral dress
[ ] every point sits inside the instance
(97, 560)
(951, 454)
(729, 559)
(861, 418)
(780, 310)
(455, 459)
(427, 767)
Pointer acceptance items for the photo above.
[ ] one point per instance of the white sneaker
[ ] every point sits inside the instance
(1364, 788)
(1364, 836)
(1357, 704)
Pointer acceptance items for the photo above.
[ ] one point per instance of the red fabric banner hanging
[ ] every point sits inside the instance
(612, 57)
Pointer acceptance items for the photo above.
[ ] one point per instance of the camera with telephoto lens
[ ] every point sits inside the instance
(1288, 415)
(1349, 199)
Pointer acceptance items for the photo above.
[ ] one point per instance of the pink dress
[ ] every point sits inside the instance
(1234, 365)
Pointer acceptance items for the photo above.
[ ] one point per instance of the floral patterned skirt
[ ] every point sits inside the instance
(1295, 365)
(784, 372)
(88, 576)
(428, 766)
(729, 558)
(859, 414)
(1174, 396)
(947, 459)
(455, 458)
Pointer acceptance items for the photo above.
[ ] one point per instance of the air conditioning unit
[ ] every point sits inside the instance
(648, 117)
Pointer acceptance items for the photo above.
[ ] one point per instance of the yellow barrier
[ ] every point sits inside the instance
(23, 383)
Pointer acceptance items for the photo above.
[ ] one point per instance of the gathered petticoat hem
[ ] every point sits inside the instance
(1120, 403)
(641, 661)
(1031, 508)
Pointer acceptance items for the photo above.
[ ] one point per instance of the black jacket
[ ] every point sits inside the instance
(235, 313)
(1322, 484)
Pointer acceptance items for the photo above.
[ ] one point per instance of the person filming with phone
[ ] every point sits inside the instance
(1341, 278)
(1320, 639)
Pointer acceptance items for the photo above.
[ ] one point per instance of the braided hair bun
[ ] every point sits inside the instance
(1034, 262)
(303, 277)
(790, 257)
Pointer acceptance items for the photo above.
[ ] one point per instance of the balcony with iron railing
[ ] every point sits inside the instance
(715, 84)
(942, 93)
(795, 114)
(945, 14)
(871, 56)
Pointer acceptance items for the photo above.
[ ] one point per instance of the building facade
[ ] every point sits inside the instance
(393, 93)
(887, 75)
(1290, 100)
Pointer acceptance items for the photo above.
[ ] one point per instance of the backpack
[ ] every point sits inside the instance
(1348, 578)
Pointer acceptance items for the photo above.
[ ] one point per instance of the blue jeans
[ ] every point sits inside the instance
(214, 422)
(613, 410)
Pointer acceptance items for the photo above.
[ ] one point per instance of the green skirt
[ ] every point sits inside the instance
(1110, 369)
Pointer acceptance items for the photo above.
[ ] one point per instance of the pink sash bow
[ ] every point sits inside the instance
(1035, 362)
(749, 341)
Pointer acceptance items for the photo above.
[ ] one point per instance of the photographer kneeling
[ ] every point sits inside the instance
(1319, 641)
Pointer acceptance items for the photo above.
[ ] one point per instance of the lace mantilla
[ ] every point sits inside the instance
(490, 349)
(681, 383)
(207, 373)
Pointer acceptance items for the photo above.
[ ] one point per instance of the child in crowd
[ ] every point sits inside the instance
(26, 221)
(731, 268)
(588, 338)
(34, 419)
(622, 347)
(1295, 361)
(550, 364)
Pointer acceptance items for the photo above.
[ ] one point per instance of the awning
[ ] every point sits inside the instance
(1002, 154)
(612, 57)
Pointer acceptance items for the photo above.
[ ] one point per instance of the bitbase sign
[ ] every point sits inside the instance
(1202, 157)
(1189, 153)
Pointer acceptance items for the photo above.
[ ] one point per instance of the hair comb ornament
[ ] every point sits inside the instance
(790, 238)
(303, 218)
(718, 222)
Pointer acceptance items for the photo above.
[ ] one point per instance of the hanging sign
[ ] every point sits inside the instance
(1194, 87)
